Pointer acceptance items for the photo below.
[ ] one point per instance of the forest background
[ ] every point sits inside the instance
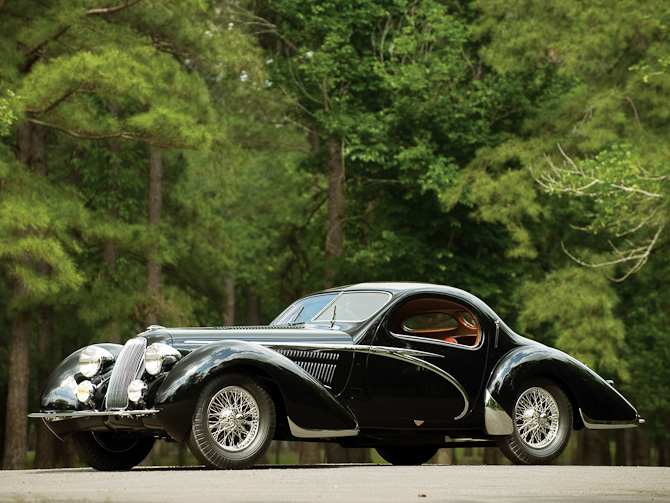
(198, 162)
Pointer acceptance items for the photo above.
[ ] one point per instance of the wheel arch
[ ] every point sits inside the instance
(589, 394)
(299, 398)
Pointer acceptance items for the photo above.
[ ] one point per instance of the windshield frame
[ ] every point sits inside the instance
(292, 308)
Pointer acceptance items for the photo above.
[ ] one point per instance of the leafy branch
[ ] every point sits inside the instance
(630, 199)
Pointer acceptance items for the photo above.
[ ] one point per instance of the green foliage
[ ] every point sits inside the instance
(449, 114)
(36, 219)
(646, 314)
(8, 106)
(575, 310)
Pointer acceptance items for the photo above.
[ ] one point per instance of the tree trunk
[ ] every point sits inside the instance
(31, 152)
(641, 449)
(253, 317)
(621, 452)
(110, 250)
(16, 422)
(228, 313)
(154, 269)
(334, 230)
(445, 457)
(155, 210)
(591, 448)
(337, 454)
(310, 453)
(492, 456)
(662, 447)
(46, 443)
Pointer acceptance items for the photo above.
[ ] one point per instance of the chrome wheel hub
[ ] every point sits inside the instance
(233, 418)
(537, 417)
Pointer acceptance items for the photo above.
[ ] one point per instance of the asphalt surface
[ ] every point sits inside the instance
(342, 484)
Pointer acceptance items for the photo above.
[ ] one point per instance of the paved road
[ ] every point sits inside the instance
(342, 484)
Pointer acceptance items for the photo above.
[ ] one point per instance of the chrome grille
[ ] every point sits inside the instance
(126, 368)
(320, 365)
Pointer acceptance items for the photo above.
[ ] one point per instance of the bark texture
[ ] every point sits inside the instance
(335, 230)
(31, 152)
(228, 313)
(253, 306)
(154, 269)
(47, 444)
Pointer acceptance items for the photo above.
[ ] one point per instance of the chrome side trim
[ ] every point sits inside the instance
(407, 355)
(496, 420)
(300, 432)
(459, 347)
(59, 416)
(411, 357)
(598, 424)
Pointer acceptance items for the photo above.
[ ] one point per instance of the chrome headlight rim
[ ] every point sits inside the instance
(158, 357)
(93, 359)
(85, 392)
(137, 391)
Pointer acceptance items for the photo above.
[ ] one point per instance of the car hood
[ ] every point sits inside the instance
(188, 339)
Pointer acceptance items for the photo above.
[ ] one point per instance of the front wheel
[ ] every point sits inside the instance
(233, 423)
(542, 424)
(406, 455)
(110, 451)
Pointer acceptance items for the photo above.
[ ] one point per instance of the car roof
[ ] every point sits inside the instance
(401, 287)
(397, 287)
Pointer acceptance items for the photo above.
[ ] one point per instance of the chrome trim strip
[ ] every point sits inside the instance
(300, 432)
(350, 348)
(407, 355)
(496, 420)
(599, 424)
(59, 416)
(460, 347)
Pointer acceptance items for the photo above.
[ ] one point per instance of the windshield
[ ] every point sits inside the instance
(345, 306)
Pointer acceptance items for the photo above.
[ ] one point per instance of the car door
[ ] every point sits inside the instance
(426, 363)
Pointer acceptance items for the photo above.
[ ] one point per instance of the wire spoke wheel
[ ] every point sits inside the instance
(542, 418)
(537, 417)
(233, 422)
(233, 418)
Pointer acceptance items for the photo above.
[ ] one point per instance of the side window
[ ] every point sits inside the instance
(429, 323)
(438, 319)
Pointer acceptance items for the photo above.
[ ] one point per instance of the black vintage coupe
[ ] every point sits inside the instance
(405, 368)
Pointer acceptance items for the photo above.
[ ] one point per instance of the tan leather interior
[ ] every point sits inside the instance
(464, 332)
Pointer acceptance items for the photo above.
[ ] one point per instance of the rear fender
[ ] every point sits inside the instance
(595, 402)
(312, 411)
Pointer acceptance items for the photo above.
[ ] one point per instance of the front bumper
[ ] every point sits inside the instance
(63, 424)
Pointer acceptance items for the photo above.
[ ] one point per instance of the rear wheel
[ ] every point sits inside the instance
(407, 455)
(233, 423)
(542, 424)
(110, 451)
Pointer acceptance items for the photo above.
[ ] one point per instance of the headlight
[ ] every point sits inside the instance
(85, 391)
(92, 358)
(136, 391)
(160, 357)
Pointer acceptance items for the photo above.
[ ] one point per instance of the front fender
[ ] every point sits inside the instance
(597, 402)
(310, 407)
(59, 393)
